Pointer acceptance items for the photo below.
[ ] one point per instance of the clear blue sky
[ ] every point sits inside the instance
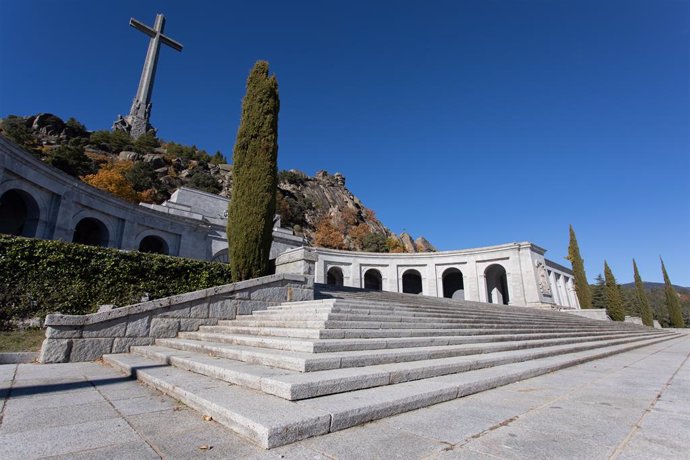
(469, 122)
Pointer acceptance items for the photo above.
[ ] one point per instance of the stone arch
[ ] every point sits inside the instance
(154, 244)
(453, 284)
(373, 280)
(334, 277)
(412, 282)
(91, 231)
(19, 213)
(496, 284)
(221, 257)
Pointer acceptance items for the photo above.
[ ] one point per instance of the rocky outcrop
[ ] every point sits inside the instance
(160, 168)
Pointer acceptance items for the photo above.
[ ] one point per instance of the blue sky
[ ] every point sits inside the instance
(472, 123)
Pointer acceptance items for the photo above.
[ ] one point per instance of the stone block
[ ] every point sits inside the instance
(222, 308)
(200, 310)
(164, 327)
(193, 324)
(138, 326)
(55, 351)
(115, 328)
(270, 294)
(90, 349)
(63, 332)
(122, 344)
(175, 311)
(299, 294)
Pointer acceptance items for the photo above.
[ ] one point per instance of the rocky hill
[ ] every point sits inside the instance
(149, 170)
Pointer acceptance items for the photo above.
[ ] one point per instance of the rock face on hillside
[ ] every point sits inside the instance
(321, 208)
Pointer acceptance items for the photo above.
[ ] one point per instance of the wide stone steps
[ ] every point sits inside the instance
(334, 345)
(272, 421)
(316, 333)
(294, 385)
(310, 362)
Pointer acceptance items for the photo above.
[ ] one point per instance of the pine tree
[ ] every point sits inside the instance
(672, 302)
(614, 301)
(255, 177)
(641, 298)
(584, 295)
(598, 294)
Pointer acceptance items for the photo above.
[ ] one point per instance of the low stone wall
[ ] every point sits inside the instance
(72, 338)
(633, 320)
(591, 313)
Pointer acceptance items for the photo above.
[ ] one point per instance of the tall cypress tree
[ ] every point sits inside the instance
(672, 302)
(584, 295)
(641, 298)
(614, 300)
(255, 177)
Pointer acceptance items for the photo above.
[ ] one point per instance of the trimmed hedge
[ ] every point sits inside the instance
(38, 277)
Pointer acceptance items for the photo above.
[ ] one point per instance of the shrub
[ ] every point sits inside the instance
(38, 277)
(71, 160)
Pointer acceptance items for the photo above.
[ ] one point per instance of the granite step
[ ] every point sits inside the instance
(227, 327)
(309, 362)
(271, 421)
(252, 321)
(334, 345)
(293, 385)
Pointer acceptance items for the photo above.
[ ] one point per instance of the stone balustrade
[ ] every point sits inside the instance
(72, 338)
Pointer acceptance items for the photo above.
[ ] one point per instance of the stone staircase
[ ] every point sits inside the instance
(303, 369)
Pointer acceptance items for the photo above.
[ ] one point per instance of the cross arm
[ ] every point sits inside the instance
(142, 27)
(171, 43)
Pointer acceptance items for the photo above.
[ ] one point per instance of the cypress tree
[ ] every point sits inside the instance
(255, 177)
(672, 302)
(584, 295)
(614, 301)
(641, 298)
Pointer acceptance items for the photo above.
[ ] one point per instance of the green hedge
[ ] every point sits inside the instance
(38, 277)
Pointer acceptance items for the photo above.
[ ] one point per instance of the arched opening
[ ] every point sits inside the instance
(153, 244)
(412, 282)
(334, 277)
(19, 213)
(373, 280)
(91, 231)
(496, 284)
(453, 284)
(221, 257)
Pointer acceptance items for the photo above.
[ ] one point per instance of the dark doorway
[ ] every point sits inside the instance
(373, 280)
(18, 214)
(334, 277)
(453, 284)
(153, 244)
(91, 231)
(497, 284)
(412, 282)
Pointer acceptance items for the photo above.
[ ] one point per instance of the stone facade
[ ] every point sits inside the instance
(49, 204)
(511, 274)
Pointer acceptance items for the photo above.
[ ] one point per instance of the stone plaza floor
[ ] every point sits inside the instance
(634, 405)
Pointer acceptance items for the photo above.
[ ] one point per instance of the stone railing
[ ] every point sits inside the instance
(72, 338)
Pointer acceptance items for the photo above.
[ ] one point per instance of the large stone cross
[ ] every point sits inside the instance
(137, 122)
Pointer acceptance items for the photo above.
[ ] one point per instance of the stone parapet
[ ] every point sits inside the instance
(73, 338)
(591, 313)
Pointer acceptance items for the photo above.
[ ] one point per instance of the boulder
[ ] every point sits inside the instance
(156, 160)
(126, 155)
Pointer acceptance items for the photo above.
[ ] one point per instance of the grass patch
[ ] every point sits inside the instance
(28, 340)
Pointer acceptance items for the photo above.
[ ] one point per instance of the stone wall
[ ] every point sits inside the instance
(72, 338)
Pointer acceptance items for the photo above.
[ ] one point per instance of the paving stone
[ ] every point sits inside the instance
(60, 440)
(7, 371)
(514, 443)
(187, 444)
(126, 451)
(440, 422)
(145, 404)
(121, 388)
(376, 441)
(18, 418)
